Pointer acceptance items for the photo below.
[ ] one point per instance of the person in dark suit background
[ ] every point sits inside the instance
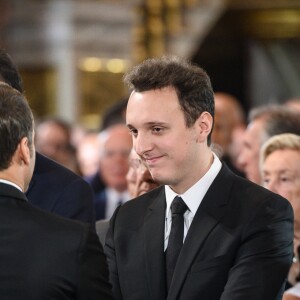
(206, 233)
(43, 256)
(64, 193)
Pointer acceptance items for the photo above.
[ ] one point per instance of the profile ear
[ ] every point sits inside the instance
(204, 124)
(24, 151)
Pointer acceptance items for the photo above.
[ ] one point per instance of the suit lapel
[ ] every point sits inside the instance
(210, 211)
(154, 227)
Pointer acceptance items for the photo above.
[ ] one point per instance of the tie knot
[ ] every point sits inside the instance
(178, 206)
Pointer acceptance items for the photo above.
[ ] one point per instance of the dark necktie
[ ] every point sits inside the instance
(178, 208)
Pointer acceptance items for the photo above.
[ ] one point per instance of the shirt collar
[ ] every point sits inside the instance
(113, 194)
(11, 183)
(195, 194)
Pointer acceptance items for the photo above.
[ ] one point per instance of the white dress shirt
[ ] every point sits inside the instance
(113, 199)
(295, 290)
(192, 198)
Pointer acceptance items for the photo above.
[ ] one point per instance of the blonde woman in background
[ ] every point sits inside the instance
(280, 170)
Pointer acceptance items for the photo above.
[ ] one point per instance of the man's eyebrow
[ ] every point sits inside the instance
(156, 123)
(152, 123)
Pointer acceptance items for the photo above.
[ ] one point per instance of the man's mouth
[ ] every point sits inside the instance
(150, 161)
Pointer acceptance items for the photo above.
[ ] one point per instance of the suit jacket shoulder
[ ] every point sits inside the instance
(239, 245)
(56, 257)
(64, 192)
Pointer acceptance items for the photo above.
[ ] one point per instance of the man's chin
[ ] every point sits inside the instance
(159, 178)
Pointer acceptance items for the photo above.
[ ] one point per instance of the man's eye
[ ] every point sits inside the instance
(157, 129)
(285, 179)
(266, 180)
(133, 132)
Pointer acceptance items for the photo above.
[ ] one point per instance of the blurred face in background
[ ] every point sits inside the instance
(53, 141)
(248, 159)
(88, 155)
(116, 144)
(228, 116)
(139, 179)
(281, 174)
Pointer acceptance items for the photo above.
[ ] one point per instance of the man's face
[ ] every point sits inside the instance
(281, 174)
(52, 141)
(171, 151)
(221, 134)
(88, 155)
(249, 156)
(114, 158)
(225, 121)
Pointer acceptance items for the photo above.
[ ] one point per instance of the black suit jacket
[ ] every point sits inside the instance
(56, 189)
(44, 256)
(238, 247)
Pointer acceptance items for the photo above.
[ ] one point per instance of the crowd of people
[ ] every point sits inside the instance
(178, 194)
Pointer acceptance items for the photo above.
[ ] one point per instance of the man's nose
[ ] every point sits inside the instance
(141, 144)
(272, 186)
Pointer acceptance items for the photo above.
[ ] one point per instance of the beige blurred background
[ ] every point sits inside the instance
(72, 54)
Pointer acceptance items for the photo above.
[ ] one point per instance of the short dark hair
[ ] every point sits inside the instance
(16, 122)
(9, 72)
(192, 84)
(277, 119)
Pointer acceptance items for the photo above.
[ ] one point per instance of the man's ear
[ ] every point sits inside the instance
(204, 125)
(24, 151)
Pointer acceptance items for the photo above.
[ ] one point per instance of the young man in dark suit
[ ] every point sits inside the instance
(42, 256)
(64, 193)
(206, 233)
